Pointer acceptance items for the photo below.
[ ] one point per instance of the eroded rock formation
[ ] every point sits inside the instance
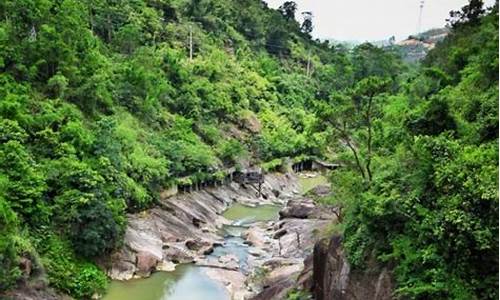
(333, 277)
(183, 228)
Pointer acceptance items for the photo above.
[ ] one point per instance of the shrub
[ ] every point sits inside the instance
(9, 271)
(69, 274)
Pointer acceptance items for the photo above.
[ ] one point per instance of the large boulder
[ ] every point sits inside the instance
(322, 190)
(333, 277)
(298, 208)
(122, 270)
(146, 262)
(306, 208)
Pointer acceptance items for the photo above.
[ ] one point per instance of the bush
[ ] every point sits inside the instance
(230, 151)
(9, 271)
(67, 273)
(26, 183)
(94, 231)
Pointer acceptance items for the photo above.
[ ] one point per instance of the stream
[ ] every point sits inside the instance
(189, 281)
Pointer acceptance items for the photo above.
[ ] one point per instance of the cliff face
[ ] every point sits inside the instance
(333, 278)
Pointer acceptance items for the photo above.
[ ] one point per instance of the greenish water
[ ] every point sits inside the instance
(243, 214)
(185, 283)
(307, 184)
(188, 282)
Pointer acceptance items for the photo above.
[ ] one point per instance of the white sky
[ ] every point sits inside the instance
(370, 20)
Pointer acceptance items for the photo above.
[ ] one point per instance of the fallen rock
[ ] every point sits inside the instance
(305, 208)
(256, 236)
(146, 262)
(298, 208)
(122, 270)
(255, 252)
(166, 266)
(228, 258)
(219, 263)
(321, 190)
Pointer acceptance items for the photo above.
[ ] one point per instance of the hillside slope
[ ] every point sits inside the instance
(423, 199)
(415, 48)
(102, 108)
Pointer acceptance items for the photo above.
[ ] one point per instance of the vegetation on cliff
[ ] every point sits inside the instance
(102, 107)
(421, 192)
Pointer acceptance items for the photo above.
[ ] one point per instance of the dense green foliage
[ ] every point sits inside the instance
(430, 208)
(101, 108)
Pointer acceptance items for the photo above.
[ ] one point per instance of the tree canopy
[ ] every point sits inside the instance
(101, 109)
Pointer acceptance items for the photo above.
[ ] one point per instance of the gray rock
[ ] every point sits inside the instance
(334, 279)
(321, 190)
(146, 262)
(185, 226)
(306, 208)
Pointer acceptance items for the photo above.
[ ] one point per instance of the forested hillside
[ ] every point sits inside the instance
(421, 196)
(101, 108)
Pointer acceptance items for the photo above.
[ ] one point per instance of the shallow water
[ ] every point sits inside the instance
(243, 214)
(186, 282)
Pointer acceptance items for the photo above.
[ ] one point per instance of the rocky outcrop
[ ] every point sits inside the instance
(184, 228)
(333, 278)
(325, 271)
(303, 208)
(290, 243)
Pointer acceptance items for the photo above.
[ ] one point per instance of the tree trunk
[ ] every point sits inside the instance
(369, 142)
(356, 157)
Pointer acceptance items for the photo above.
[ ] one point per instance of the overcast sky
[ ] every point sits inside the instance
(369, 20)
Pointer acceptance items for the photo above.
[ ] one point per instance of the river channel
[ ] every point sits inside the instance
(189, 281)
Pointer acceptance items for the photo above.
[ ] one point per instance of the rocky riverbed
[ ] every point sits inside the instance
(191, 228)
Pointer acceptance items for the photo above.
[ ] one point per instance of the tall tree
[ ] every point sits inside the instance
(352, 118)
(288, 10)
(307, 25)
(468, 14)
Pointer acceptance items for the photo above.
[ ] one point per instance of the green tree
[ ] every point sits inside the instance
(288, 9)
(9, 271)
(307, 24)
(353, 117)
